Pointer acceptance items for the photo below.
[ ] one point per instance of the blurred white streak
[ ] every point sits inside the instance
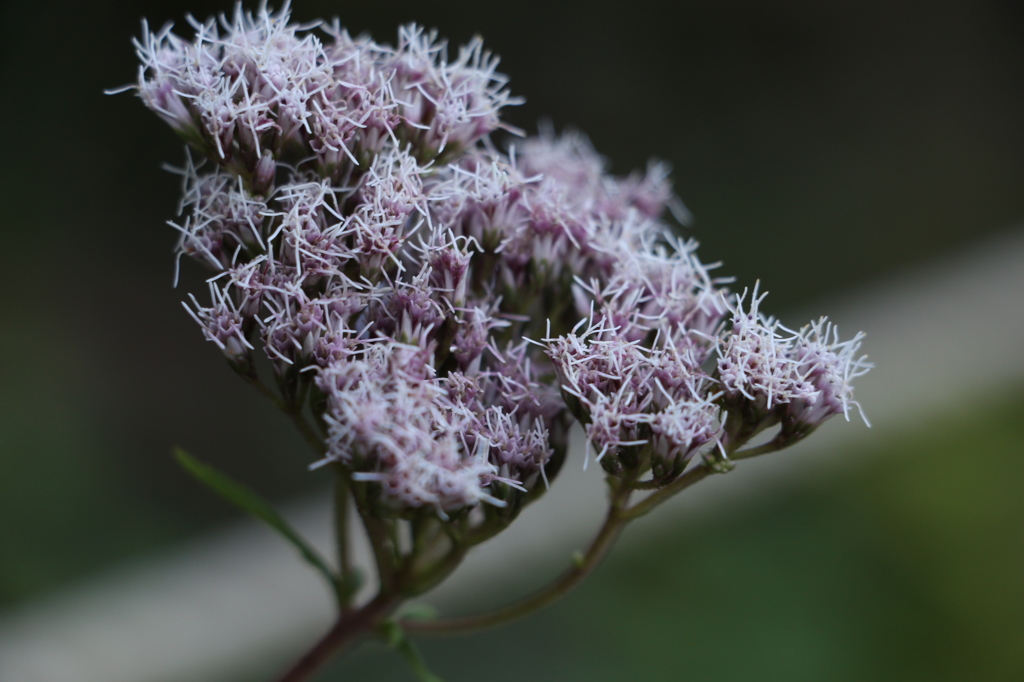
(943, 338)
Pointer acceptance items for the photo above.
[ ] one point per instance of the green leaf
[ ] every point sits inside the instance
(416, 612)
(397, 639)
(248, 500)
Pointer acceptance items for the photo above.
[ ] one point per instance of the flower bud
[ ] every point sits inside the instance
(264, 174)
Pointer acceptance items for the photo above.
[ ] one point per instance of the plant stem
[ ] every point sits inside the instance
(294, 412)
(431, 576)
(265, 390)
(692, 476)
(773, 445)
(614, 522)
(341, 500)
(380, 543)
(306, 429)
(346, 628)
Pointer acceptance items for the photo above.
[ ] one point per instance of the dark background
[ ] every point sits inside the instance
(820, 146)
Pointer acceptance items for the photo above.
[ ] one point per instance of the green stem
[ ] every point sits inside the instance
(773, 445)
(341, 499)
(380, 542)
(614, 522)
(644, 506)
(306, 429)
(435, 574)
(484, 533)
(255, 382)
(294, 412)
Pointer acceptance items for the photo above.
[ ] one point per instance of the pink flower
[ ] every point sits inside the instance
(392, 262)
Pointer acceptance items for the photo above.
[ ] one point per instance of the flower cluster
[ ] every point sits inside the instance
(248, 90)
(769, 373)
(392, 264)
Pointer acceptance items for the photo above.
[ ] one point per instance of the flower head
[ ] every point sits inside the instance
(360, 226)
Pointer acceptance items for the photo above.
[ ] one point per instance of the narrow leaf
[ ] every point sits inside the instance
(397, 639)
(249, 501)
(416, 612)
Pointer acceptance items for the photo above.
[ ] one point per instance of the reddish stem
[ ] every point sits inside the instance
(345, 630)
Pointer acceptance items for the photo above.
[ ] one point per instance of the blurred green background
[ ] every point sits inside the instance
(820, 146)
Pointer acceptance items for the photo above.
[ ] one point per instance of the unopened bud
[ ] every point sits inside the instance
(264, 174)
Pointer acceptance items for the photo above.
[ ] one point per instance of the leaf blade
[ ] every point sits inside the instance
(251, 502)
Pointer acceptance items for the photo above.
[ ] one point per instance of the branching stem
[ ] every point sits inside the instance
(644, 506)
(614, 522)
(341, 508)
(306, 429)
(773, 445)
(347, 628)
